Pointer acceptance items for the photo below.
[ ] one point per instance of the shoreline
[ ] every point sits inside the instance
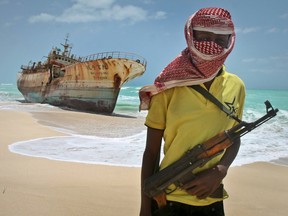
(33, 186)
(111, 126)
(72, 123)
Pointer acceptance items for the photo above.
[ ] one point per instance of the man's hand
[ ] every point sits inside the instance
(206, 182)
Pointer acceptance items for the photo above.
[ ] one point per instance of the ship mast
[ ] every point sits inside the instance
(66, 46)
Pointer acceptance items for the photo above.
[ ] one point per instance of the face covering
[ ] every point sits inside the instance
(208, 47)
(200, 61)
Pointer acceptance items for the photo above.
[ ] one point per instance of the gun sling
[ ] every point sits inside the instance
(211, 97)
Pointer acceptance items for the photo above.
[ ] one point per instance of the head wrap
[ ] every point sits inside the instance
(200, 61)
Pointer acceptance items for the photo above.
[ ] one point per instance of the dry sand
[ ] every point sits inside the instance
(32, 186)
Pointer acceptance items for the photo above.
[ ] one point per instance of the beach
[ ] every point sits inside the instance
(33, 186)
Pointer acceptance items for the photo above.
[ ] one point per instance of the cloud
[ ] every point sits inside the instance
(254, 60)
(273, 30)
(259, 70)
(148, 1)
(3, 2)
(43, 17)
(249, 60)
(83, 11)
(284, 16)
(159, 15)
(247, 30)
(281, 59)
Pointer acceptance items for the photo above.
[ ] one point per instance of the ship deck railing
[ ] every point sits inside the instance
(115, 54)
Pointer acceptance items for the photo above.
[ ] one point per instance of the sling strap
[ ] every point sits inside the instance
(213, 99)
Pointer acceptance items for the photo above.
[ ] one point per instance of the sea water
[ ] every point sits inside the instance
(267, 143)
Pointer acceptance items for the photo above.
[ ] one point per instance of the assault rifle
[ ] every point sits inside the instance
(180, 171)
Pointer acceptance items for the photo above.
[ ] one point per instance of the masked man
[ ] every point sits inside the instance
(183, 118)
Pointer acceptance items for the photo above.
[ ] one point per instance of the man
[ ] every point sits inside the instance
(184, 118)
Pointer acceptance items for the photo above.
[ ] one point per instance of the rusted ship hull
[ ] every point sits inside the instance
(89, 84)
(91, 99)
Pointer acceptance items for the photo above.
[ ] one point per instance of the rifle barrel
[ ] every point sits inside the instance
(244, 127)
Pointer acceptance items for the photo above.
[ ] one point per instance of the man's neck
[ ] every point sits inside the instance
(209, 83)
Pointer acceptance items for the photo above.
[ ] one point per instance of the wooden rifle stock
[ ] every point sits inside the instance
(156, 186)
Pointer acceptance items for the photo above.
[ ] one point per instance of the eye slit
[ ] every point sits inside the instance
(202, 39)
(221, 42)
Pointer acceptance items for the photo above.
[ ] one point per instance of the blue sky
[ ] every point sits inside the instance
(150, 28)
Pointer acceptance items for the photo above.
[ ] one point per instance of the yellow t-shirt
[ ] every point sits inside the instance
(188, 119)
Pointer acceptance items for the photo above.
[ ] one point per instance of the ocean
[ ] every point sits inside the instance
(269, 142)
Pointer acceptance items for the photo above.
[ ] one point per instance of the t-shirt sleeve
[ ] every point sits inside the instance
(156, 117)
(242, 94)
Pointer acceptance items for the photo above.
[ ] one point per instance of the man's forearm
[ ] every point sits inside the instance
(229, 155)
(150, 159)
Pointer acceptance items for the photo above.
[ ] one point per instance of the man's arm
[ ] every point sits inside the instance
(150, 158)
(208, 181)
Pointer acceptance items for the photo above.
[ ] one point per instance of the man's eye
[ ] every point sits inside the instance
(219, 41)
(202, 39)
(222, 42)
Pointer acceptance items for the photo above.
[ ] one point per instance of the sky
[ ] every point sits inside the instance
(150, 28)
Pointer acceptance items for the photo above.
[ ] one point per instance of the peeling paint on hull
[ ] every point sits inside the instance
(87, 84)
(99, 100)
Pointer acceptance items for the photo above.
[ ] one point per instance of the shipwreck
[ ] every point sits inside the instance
(91, 83)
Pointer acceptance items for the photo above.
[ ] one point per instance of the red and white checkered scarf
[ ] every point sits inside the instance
(200, 61)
